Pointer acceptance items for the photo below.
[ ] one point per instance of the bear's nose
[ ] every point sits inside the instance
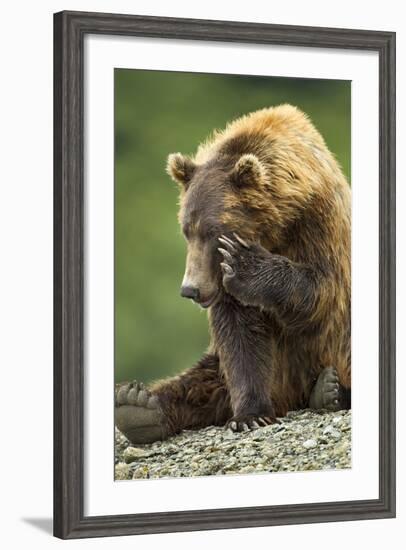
(190, 292)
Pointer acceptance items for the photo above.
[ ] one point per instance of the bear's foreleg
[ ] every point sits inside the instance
(241, 336)
(195, 399)
(256, 277)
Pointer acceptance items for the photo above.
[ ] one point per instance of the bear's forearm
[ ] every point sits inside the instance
(285, 288)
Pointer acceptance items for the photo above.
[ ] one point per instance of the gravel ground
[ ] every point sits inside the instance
(305, 440)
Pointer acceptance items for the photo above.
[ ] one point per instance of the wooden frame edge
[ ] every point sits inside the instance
(69, 30)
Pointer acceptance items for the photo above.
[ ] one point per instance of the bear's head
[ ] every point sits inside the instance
(221, 196)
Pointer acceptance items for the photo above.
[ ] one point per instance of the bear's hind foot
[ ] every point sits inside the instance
(138, 414)
(328, 393)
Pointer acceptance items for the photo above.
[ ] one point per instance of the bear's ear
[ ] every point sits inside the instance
(248, 170)
(180, 168)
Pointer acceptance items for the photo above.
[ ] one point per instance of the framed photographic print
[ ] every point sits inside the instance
(224, 254)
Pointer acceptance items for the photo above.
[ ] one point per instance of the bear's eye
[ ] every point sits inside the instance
(208, 233)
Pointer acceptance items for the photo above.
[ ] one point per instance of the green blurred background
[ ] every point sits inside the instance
(158, 333)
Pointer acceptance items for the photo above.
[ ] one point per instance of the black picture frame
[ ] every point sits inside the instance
(70, 29)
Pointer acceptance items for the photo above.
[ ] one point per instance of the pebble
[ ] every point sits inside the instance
(310, 444)
(329, 430)
(131, 454)
(308, 441)
(122, 471)
(141, 473)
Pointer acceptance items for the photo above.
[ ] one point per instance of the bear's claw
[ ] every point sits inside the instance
(231, 248)
(227, 256)
(245, 423)
(227, 269)
(228, 243)
(242, 266)
(241, 241)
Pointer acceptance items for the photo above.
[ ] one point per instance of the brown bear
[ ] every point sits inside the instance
(265, 211)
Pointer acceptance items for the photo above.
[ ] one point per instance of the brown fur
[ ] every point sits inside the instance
(270, 177)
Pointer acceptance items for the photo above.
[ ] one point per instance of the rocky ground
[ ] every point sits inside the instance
(305, 440)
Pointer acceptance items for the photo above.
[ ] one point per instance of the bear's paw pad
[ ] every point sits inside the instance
(326, 392)
(138, 414)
